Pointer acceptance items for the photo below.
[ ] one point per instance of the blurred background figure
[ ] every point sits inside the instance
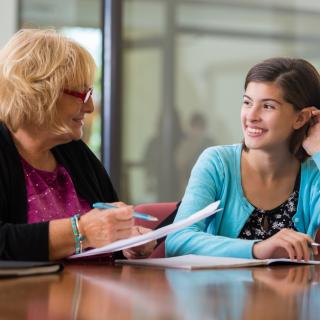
(158, 163)
(194, 142)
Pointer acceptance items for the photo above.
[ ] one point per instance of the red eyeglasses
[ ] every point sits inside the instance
(84, 96)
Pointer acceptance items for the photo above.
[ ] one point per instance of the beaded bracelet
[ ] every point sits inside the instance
(78, 237)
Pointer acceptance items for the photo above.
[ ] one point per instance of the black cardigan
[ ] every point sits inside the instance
(22, 241)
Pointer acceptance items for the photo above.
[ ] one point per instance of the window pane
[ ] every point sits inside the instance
(189, 72)
(79, 20)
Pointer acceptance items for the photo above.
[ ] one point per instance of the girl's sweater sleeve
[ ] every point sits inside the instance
(204, 187)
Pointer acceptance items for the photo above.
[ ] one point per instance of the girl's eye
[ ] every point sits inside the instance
(268, 106)
(246, 103)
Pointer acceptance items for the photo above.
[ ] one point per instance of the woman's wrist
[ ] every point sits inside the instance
(78, 236)
(82, 230)
(61, 239)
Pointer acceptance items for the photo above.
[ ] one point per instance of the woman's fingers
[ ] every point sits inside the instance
(119, 222)
(124, 213)
(142, 230)
(101, 227)
(123, 233)
(119, 204)
(128, 254)
(117, 219)
(143, 250)
(132, 254)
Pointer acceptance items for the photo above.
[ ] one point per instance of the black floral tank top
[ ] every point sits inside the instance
(262, 224)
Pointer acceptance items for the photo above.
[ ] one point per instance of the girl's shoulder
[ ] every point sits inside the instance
(310, 171)
(219, 159)
(224, 153)
(311, 165)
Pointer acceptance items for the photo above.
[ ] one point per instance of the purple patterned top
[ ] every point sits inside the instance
(51, 195)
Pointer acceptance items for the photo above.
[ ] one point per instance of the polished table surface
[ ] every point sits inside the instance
(115, 292)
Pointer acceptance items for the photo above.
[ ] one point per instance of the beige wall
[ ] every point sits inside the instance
(8, 19)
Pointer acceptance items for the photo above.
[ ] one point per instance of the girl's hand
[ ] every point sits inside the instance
(311, 143)
(287, 243)
(142, 251)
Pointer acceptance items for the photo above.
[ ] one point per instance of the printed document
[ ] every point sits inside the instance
(152, 235)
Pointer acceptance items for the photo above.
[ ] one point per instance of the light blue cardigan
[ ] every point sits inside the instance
(216, 176)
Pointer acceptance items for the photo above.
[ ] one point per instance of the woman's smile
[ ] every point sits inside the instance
(79, 121)
(253, 131)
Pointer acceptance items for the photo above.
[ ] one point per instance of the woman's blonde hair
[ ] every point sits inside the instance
(35, 66)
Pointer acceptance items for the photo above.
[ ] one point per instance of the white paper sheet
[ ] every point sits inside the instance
(193, 262)
(152, 235)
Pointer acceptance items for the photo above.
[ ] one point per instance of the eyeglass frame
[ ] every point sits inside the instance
(84, 96)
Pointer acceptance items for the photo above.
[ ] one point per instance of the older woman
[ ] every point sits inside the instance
(49, 178)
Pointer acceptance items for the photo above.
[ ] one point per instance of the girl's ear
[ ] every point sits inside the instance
(303, 117)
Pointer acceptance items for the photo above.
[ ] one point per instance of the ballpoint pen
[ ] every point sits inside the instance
(143, 216)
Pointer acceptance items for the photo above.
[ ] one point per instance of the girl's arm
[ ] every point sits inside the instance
(204, 187)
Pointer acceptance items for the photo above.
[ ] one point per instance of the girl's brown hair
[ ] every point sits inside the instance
(300, 83)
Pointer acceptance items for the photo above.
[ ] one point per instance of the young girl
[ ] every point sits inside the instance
(269, 186)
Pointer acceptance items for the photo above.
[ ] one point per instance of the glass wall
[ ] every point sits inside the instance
(80, 20)
(184, 64)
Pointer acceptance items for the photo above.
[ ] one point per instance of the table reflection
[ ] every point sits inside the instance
(111, 292)
(101, 292)
(26, 297)
(279, 292)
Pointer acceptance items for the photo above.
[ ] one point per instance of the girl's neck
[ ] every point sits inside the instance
(270, 165)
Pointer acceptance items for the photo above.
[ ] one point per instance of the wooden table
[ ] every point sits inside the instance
(114, 292)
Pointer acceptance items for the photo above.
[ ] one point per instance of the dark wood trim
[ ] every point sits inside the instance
(111, 89)
(169, 117)
(19, 14)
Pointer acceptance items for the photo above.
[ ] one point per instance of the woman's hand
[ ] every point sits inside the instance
(311, 143)
(101, 227)
(286, 243)
(140, 251)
